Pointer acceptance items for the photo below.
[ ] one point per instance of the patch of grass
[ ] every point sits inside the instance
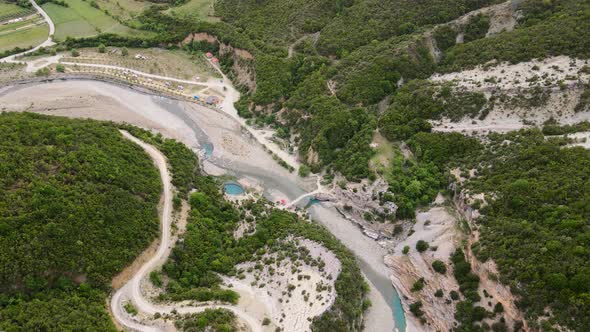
(385, 152)
(130, 308)
(200, 9)
(80, 19)
(24, 38)
(124, 9)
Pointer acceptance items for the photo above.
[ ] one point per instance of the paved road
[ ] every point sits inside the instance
(46, 43)
(131, 291)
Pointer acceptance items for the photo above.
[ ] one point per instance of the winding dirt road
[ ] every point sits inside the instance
(131, 291)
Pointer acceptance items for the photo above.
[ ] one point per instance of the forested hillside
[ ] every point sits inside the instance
(359, 66)
(537, 229)
(349, 54)
(547, 28)
(77, 204)
(357, 54)
(535, 219)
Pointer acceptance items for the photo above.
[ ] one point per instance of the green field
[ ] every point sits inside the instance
(24, 38)
(202, 9)
(82, 20)
(37, 19)
(9, 11)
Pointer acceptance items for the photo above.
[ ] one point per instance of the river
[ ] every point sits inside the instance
(204, 129)
(373, 268)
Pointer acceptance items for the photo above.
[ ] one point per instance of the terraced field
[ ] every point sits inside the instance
(171, 63)
(36, 19)
(80, 19)
(10, 11)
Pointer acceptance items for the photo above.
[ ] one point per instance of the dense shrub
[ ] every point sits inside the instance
(439, 266)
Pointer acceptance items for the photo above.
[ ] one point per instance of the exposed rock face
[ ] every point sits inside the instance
(200, 36)
(324, 197)
(433, 49)
(243, 66)
(503, 17)
(312, 156)
(437, 227)
(521, 95)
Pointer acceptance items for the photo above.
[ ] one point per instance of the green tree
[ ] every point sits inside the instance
(422, 246)
(406, 250)
(439, 266)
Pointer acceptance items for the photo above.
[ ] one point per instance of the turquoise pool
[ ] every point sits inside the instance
(208, 147)
(311, 202)
(232, 188)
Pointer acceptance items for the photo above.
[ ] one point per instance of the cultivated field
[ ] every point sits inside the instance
(169, 63)
(22, 36)
(80, 19)
(32, 20)
(174, 64)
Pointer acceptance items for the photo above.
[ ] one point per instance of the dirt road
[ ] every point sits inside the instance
(131, 291)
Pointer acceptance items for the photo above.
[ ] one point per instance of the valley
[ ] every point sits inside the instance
(432, 177)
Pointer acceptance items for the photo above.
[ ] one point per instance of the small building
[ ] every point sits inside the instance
(212, 100)
(209, 55)
(15, 20)
(215, 60)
